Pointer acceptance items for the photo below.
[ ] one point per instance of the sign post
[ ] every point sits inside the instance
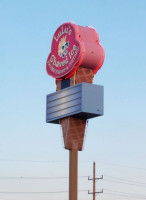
(73, 174)
(76, 56)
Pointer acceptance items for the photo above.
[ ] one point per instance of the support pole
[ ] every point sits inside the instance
(73, 174)
(94, 181)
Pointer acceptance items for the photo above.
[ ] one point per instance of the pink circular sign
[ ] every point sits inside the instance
(74, 46)
(65, 52)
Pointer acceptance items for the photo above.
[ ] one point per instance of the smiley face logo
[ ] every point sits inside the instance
(62, 47)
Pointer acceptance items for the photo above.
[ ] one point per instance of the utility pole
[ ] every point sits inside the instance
(94, 183)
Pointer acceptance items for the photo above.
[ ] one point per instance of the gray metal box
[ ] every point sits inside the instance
(82, 101)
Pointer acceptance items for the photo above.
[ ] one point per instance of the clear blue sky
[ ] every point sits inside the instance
(116, 141)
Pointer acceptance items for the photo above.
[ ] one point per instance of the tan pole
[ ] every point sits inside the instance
(73, 174)
(94, 181)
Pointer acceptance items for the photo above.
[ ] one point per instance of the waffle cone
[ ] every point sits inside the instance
(73, 128)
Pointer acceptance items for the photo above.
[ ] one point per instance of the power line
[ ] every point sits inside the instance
(32, 178)
(35, 161)
(115, 191)
(124, 183)
(44, 192)
(124, 166)
(123, 195)
(64, 161)
(37, 178)
(33, 192)
(38, 161)
(124, 179)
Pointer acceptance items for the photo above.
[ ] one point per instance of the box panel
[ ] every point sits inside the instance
(83, 101)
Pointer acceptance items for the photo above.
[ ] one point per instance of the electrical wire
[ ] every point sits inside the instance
(125, 193)
(44, 192)
(38, 178)
(119, 165)
(63, 161)
(55, 192)
(125, 180)
(32, 178)
(111, 192)
(133, 184)
(34, 161)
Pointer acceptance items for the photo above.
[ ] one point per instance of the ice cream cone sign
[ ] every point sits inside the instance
(76, 56)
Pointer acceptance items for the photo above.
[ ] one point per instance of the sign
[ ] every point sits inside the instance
(65, 52)
(74, 46)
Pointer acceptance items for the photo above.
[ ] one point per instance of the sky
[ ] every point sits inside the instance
(31, 148)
